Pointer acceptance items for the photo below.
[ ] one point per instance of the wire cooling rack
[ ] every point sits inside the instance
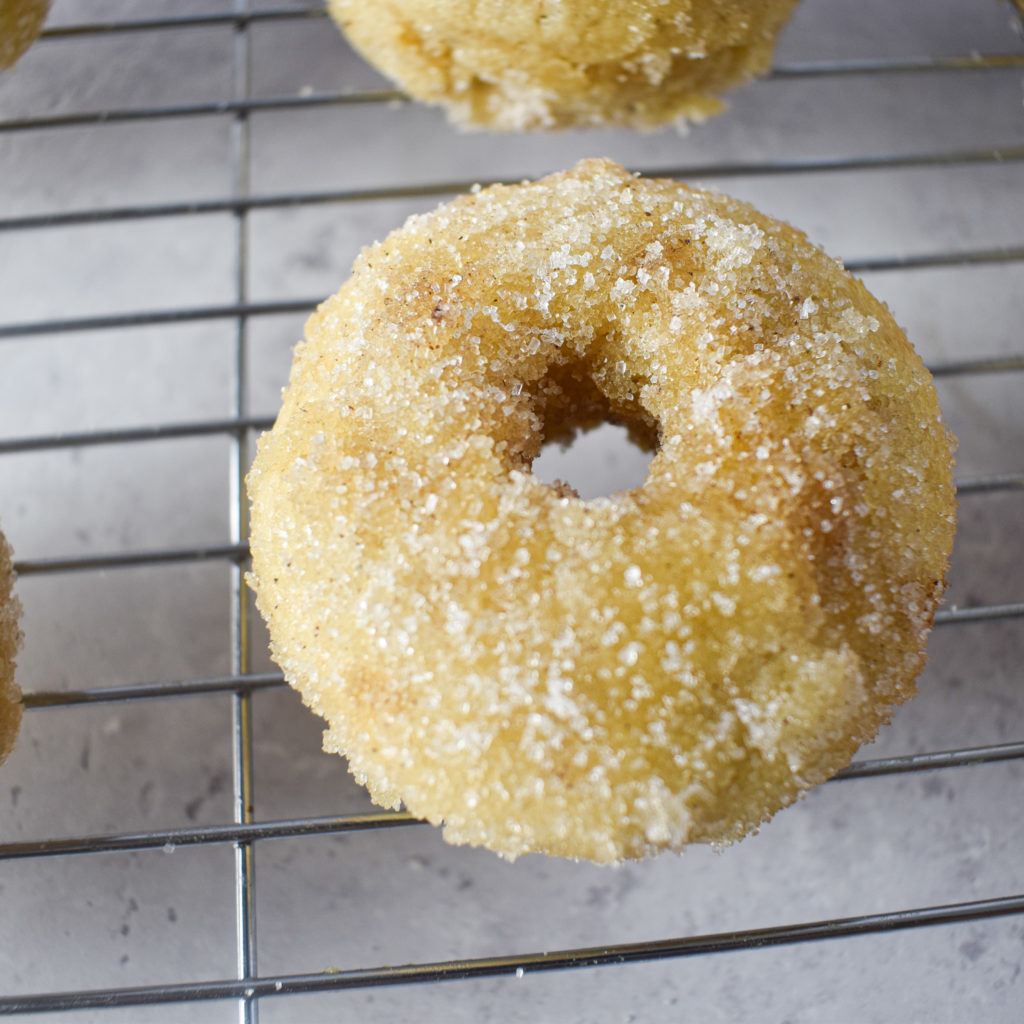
(180, 185)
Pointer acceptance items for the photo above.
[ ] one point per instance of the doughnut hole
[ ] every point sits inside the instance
(589, 448)
(595, 463)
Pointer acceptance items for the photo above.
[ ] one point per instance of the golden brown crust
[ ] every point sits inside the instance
(10, 640)
(606, 678)
(21, 21)
(522, 65)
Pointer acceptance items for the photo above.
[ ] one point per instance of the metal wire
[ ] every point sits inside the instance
(558, 960)
(238, 18)
(241, 700)
(248, 987)
(888, 162)
(244, 834)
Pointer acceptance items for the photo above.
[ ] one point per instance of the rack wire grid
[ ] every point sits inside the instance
(181, 183)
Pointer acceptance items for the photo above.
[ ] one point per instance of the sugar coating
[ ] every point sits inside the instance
(606, 678)
(514, 65)
(21, 21)
(10, 640)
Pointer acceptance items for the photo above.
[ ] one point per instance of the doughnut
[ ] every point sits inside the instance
(600, 679)
(10, 640)
(514, 65)
(21, 21)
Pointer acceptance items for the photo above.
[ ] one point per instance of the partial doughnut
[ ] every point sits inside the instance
(514, 65)
(608, 678)
(10, 641)
(21, 21)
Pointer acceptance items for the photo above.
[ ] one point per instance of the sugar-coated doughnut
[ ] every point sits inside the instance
(606, 678)
(21, 21)
(10, 640)
(522, 64)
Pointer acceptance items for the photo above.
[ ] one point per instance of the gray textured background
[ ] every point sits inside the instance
(857, 847)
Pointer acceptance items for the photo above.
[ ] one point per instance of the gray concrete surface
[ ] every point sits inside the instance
(167, 915)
